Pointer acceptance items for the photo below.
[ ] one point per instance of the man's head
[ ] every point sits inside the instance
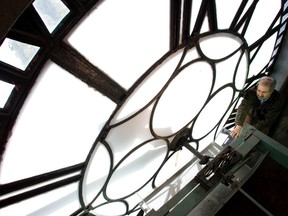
(265, 87)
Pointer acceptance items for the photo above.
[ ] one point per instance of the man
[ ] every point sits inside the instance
(260, 107)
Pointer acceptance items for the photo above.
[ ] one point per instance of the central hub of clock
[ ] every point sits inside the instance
(183, 139)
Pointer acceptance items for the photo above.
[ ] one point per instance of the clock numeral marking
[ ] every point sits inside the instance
(175, 17)
(237, 23)
(212, 16)
(180, 20)
(207, 8)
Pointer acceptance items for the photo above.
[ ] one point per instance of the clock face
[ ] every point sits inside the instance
(184, 66)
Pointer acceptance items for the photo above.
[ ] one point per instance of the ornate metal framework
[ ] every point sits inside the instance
(183, 39)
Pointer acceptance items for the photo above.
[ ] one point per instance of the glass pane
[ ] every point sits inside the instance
(126, 44)
(181, 101)
(61, 116)
(264, 9)
(219, 45)
(51, 12)
(262, 58)
(16, 53)
(152, 85)
(5, 91)
(218, 105)
(142, 164)
(58, 202)
(225, 15)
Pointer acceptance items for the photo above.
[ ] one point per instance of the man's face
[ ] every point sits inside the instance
(263, 92)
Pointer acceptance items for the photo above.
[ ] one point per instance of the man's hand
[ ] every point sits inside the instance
(236, 131)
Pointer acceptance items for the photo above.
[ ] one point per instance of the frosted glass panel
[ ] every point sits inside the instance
(57, 126)
(126, 44)
(16, 53)
(220, 45)
(51, 12)
(5, 91)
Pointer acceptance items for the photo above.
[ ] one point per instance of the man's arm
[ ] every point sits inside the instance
(242, 111)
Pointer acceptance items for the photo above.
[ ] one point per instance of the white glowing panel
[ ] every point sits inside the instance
(5, 91)
(56, 127)
(16, 53)
(126, 44)
(51, 12)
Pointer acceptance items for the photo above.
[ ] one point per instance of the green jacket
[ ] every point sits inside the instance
(263, 116)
